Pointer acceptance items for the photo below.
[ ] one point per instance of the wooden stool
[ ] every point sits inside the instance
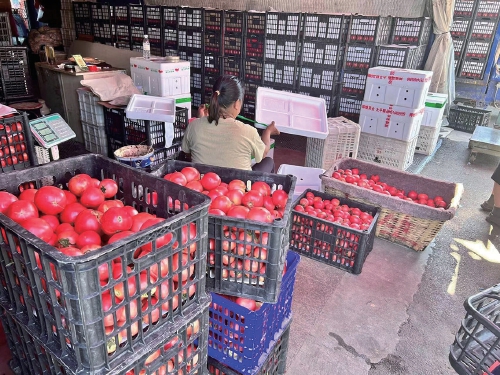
(32, 108)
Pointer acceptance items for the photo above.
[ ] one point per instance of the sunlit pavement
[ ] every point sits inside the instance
(400, 315)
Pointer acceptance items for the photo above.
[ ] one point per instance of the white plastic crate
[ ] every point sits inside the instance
(342, 142)
(435, 105)
(401, 87)
(95, 139)
(307, 178)
(427, 140)
(153, 108)
(390, 121)
(90, 111)
(386, 151)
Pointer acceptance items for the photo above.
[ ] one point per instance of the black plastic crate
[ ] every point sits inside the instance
(18, 150)
(190, 40)
(169, 37)
(81, 10)
(329, 97)
(460, 27)
(212, 64)
(251, 87)
(195, 58)
(464, 8)
(255, 23)
(197, 97)
(353, 83)
(281, 49)
(419, 58)
(196, 81)
(320, 79)
(322, 53)
(459, 44)
(137, 34)
(5, 30)
(181, 346)
(326, 26)
(234, 44)
(254, 45)
(68, 289)
(414, 31)
(234, 21)
(283, 24)
(122, 35)
(155, 39)
(267, 288)
(359, 56)
(467, 118)
(253, 69)
(83, 28)
(249, 109)
(153, 16)
(190, 18)
(472, 68)
(213, 42)
(487, 9)
(15, 74)
(214, 19)
(121, 14)
(280, 75)
(232, 66)
(476, 348)
(274, 364)
(328, 242)
(136, 15)
(100, 12)
(103, 32)
(396, 56)
(483, 29)
(374, 30)
(349, 106)
(169, 17)
(161, 155)
(477, 49)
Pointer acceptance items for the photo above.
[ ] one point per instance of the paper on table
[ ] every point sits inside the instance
(5, 110)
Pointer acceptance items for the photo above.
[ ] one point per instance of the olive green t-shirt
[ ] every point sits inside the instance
(229, 144)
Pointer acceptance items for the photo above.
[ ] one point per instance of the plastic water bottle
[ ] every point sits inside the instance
(146, 49)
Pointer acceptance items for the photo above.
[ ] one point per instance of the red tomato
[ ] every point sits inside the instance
(268, 203)
(162, 241)
(263, 188)
(260, 214)
(412, 194)
(235, 196)
(63, 227)
(178, 178)
(88, 238)
(70, 197)
(115, 220)
(239, 212)
(87, 248)
(139, 219)
(119, 236)
(5, 200)
(210, 180)
(88, 220)
(21, 210)
(52, 220)
(79, 183)
(94, 182)
(28, 195)
(247, 303)
(422, 197)
(109, 187)
(318, 204)
(252, 199)
(299, 208)
(39, 228)
(50, 200)
(106, 205)
(67, 238)
(70, 212)
(375, 178)
(222, 203)
(280, 197)
(191, 174)
(216, 212)
(131, 211)
(195, 185)
(237, 185)
(92, 197)
(71, 251)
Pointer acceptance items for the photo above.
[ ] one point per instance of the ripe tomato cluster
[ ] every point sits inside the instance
(353, 176)
(13, 148)
(248, 303)
(232, 199)
(332, 210)
(168, 366)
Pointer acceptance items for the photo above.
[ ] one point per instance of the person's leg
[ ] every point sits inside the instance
(494, 216)
(488, 204)
(266, 165)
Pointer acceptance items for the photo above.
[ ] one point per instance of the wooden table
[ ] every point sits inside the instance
(58, 89)
(484, 140)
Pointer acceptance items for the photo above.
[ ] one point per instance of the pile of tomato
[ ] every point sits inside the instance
(13, 148)
(233, 199)
(353, 176)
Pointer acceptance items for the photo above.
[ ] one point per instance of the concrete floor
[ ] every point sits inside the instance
(399, 316)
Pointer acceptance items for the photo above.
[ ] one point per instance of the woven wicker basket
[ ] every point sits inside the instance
(402, 222)
(342, 142)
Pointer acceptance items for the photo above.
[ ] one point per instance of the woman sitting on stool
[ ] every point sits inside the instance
(221, 140)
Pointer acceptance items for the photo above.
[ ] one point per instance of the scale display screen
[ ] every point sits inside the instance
(51, 130)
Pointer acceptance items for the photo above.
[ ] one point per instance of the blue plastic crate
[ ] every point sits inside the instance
(239, 337)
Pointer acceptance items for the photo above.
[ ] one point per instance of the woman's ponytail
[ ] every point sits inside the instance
(213, 110)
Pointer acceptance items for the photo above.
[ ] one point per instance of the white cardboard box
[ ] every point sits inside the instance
(434, 109)
(153, 108)
(160, 77)
(401, 87)
(307, 178)
(390, 121)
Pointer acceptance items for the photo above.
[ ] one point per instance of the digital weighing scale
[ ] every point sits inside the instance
(51, 130)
